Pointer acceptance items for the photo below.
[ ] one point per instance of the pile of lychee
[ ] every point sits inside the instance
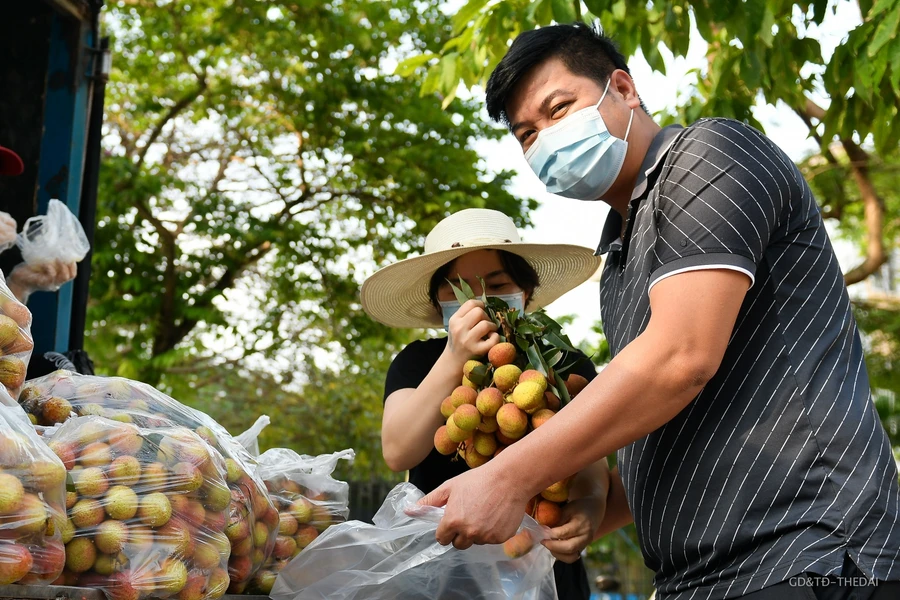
(483, 420)
(147, 510)
(303, 514)
(15, 341)
(251, 518)
(32, 510)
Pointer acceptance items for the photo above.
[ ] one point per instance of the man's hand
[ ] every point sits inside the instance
(7, 230)
(50, 276)
(580, 520)
(478, 508)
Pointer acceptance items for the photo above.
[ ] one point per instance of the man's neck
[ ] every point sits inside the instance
(639, 143)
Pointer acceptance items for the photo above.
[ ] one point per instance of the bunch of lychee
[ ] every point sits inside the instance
(481, 421)
(147, 511)
(251, 519)
(15, 341)
(305, 511)
(32, 503)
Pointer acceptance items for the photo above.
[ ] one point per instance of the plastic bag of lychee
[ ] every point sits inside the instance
(399, 557)
(15, 340)
(147, 510)
(523, 381)
(32, 502)
(309, 500)
(252, 523)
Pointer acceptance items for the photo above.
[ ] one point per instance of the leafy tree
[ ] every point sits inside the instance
(259, 162)
(756, 49)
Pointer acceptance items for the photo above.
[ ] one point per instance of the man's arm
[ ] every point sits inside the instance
(647, 384)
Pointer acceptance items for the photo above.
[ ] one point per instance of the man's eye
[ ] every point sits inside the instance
(559, 109)
(526, 135)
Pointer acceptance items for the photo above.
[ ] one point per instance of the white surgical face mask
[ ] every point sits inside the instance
(578, 157)
(515, 301)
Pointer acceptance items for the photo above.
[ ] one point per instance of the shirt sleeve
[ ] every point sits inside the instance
(411, 365)
(724, 192)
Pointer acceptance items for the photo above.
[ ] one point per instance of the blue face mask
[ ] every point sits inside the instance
(578, 157)
(515, 301)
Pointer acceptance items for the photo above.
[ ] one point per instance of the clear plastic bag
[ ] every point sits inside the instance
(399, 558)
(309, 501)
(250, 438)
(16, 344)
(147, 510)
(32, 502)
(62, 394)
(56, 236)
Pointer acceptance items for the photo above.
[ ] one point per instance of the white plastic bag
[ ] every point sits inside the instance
(399, 558)
(250, 438)
(56, 236)
(309, 501)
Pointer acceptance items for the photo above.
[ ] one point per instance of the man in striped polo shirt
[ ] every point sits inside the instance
(749, 452)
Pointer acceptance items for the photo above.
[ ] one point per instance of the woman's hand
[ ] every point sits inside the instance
(580, 520)
(472, 333)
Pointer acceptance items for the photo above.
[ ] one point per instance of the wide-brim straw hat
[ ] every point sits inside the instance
(397, 295)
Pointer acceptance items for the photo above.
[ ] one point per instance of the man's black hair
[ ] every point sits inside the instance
(584, 49)
(518, 269)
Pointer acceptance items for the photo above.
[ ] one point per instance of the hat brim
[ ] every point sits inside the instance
(397, 295)
(10, 162)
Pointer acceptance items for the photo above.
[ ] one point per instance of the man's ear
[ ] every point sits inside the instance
(622, 83)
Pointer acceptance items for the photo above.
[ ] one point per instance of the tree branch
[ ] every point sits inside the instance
(874, 215)
(168, 339)
(173, 112)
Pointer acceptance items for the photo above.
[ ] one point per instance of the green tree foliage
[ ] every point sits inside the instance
(259, 159)
(757, 49)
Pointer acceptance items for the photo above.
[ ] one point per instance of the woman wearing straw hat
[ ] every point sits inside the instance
(475, 245)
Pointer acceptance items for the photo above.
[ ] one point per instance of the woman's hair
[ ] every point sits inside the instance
(518, 269)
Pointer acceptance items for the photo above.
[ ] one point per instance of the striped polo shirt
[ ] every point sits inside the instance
(780, 465)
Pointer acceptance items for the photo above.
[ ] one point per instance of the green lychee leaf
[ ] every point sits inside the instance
(460, 294)
(534, 356)
(553, 359)
(522, 343)
(467, 290)
(564, 397)
(557, 342)
(478, 375)
(527, 329)
(484, 298)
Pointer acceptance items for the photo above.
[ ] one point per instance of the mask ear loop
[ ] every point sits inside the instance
(628, 129)
(630, 117)
(606, 89)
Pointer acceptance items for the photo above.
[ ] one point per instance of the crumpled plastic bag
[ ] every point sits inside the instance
(398, 558)
(16, 343)
(309, 501)
(56, 236)
(250, 439)
(32, 502)
(148, 510)
(61, 395)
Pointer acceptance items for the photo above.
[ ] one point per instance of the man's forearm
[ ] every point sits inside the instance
(644, 387)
